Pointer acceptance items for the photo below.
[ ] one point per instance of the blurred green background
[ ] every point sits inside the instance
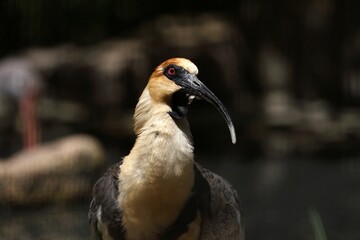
(288, 72)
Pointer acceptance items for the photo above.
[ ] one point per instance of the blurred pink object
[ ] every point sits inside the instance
(20, 81)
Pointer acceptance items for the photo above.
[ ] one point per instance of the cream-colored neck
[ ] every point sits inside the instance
(157, 176)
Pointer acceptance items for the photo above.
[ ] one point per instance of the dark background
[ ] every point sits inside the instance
(288, 72)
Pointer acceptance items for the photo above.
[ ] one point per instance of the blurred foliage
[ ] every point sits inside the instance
(317, 224)
(313, 34)
(41, 22)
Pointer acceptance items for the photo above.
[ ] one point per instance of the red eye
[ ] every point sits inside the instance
(171, 71)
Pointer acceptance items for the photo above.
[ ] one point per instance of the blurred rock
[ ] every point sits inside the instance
(56, 172)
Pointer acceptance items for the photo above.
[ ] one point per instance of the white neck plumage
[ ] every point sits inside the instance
(157, 176)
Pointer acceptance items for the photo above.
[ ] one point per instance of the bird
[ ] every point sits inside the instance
(20, 81)
(158, 191)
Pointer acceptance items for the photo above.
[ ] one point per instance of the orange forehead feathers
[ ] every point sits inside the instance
(181, 62)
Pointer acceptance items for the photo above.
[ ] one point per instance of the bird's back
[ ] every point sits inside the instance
(226, 219)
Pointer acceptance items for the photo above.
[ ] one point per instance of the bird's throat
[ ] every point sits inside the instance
(179, 105)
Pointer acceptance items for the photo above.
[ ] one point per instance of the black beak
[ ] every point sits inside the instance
(193, 86)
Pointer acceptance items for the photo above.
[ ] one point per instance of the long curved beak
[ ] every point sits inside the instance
(193, 86)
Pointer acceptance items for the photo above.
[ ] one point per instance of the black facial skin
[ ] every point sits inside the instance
(180, 73)
(179, 99)
(179, 105)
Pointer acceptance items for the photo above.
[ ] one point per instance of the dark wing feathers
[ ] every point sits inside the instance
(105, 195)
(225, 221)
(217, 201)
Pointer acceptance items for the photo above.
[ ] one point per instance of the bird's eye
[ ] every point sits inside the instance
(171, 71)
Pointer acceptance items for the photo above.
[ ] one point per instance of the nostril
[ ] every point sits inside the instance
(196, 83)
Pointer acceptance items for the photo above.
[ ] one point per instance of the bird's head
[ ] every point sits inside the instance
(175, 83)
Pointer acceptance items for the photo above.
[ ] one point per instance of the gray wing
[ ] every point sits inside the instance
(104, 215)
(226, 220)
